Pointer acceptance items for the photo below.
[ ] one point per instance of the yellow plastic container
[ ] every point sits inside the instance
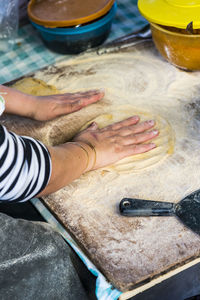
(169, 20)
(176, 13)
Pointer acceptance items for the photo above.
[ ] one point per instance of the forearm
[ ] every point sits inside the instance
(16, 102)
(69, 162)
(25, 167)
(29, 169)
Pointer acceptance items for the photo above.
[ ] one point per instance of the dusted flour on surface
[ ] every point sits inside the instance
(129, 250)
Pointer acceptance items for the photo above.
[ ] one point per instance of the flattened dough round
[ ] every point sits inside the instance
(165, 140)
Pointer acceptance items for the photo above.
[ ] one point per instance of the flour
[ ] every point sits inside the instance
(130, 250)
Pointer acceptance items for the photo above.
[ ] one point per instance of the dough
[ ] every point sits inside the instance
(164, 142)
(35, 87)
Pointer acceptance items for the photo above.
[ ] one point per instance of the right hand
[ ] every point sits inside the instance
(49, 107)
(117, 141)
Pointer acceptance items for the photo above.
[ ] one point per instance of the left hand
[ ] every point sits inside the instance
(116, 141)
(50, 107)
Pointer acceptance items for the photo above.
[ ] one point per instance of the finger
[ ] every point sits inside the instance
(140, 138)
(87, 94)
(137, 128)
(91, 92)
(138, 149)
(118, 125)
(127, 122)
(75, 104)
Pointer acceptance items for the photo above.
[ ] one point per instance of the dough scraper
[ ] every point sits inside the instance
(187, 210)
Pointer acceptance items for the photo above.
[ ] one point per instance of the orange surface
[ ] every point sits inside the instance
(63, 13)
(177, 47)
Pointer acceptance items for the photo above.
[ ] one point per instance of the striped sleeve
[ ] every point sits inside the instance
(25, 167)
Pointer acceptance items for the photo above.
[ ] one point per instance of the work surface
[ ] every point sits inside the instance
(127, 250)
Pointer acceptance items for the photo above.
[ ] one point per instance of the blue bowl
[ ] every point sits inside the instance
(73, 40)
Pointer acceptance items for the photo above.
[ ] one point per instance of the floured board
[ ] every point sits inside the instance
(128, 251)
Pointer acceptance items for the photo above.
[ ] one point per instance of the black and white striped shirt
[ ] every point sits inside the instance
(25, 167)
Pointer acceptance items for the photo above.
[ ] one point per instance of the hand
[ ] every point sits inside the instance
(44, 108)
(50, 107)
(112, 143)
(117, 141)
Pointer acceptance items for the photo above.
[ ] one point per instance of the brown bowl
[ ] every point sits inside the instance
(177, 46)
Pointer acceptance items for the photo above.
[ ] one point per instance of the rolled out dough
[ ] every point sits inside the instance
(34, 86)
(164, 142)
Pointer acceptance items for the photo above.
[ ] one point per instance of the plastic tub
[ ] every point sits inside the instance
(65, 13)
(73, 40)
(178, 47)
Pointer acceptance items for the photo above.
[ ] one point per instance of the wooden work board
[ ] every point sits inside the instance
(128, 251)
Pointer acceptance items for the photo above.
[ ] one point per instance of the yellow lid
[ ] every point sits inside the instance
(64, 13)
(176, 13)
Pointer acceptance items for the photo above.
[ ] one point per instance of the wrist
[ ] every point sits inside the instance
(17, 102)
(33, 106)
(90, 154)
(69, 162)
(27, 105)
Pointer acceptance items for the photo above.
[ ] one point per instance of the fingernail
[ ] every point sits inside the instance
(151, 122)
(102, 90)
(94, 125)
(154, 132)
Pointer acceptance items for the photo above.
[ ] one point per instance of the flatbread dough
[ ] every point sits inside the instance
(34, 86)
(164, 142)
(135, 163)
